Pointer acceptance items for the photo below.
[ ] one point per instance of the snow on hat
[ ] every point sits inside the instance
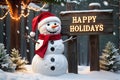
(41, 19)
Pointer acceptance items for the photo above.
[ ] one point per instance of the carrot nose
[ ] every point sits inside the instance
(54, 26)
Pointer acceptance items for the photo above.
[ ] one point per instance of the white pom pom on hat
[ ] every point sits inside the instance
(41, 19)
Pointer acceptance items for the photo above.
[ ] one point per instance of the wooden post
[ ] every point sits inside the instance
(94, 55)
(72, 48)
(94, 47)
(15, 8)
(14, 35)
(72, 56)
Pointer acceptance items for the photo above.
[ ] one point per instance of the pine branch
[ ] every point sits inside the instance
(110, 58)
(5, 62)
(17, 60)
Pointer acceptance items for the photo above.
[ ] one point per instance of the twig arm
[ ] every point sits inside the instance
(71, 38)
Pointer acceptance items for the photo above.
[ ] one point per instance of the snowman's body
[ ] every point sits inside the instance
(54, 62)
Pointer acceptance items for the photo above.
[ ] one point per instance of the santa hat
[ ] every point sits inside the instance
(41, 19)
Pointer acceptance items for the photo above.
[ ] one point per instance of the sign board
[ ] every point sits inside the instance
(87, 22)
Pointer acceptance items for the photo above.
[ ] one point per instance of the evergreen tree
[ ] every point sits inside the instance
(18, 60)
(5, 62)
(110, 58)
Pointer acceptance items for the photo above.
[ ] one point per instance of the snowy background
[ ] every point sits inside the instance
(84, 74)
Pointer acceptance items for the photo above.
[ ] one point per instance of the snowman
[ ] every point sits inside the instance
(49, 59)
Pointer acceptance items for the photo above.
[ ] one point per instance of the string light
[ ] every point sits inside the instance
(22, 14)
(24, 6)
(18, 18)
(1, 18)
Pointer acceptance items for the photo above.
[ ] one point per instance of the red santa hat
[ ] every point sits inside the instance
(41, 19)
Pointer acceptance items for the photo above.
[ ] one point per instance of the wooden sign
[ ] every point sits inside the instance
(87, 22)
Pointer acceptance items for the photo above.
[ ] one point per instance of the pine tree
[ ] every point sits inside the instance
(5, 62)
(18, 60)
(110, 58)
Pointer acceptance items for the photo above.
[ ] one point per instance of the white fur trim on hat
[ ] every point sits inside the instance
(52, 18)
(32, 34)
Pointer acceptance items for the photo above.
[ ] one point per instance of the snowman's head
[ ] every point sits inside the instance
(50, 27)
(46, 23)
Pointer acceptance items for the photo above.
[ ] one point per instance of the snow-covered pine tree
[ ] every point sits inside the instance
(18, 60)
(110, 58)
(5, 62)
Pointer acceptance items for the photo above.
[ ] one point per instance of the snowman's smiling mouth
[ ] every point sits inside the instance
(52, 31)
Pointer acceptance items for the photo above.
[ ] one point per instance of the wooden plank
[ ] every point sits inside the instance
(80, 31)
(27, 51)
(1, 28)
(27, 43)
(4, 31)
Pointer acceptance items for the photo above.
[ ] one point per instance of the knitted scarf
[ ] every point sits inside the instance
(46, 38)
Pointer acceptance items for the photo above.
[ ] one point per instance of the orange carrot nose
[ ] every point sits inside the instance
(54, 26)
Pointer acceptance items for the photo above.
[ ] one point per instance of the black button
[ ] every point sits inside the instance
(52, 48)
(52, 68)
(52, 59)
(52, 42)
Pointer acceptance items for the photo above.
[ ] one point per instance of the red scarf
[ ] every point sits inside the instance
(41, 51)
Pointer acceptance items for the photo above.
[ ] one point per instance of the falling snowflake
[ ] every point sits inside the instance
(27, 50)
(114, 33)
(18, 31)
(105, 3)
(27, 20)
(17, 6)
(4, 34)
(27, 28)
(3, 24)
(62, 4)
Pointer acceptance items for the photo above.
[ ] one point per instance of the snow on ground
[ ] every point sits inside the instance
(84, 74)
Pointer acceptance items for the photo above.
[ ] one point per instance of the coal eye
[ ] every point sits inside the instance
(48, 24)
(55, 24)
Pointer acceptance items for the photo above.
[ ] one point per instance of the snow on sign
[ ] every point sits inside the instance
(87, 22)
